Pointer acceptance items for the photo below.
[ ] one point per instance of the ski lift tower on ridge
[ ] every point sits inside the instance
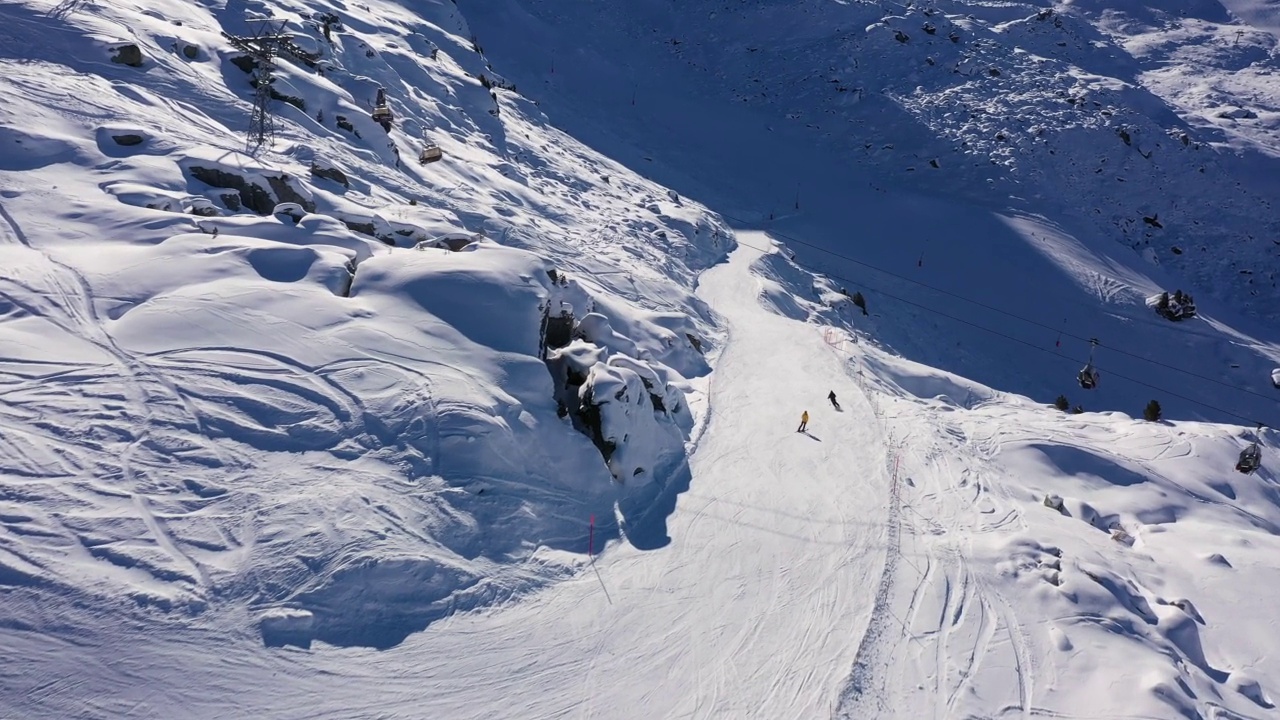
(263, 46)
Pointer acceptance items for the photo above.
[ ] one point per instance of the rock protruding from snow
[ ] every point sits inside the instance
(256, 186)
(1175, 306)
(1237, 113)
(129, 54)
(322, 168)
(631, 410)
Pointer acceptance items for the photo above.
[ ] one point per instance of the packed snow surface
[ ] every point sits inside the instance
(319, 428)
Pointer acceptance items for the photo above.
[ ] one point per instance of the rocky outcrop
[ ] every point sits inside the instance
(327, 171)
(130, 55)
(258, 191)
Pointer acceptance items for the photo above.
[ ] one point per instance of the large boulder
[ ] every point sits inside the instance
(129, 54)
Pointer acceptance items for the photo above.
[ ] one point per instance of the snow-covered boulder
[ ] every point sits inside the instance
(629, 409)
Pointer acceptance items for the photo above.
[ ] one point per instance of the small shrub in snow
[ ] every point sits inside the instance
(1062, 403)
(1152, 412)
(860, 301)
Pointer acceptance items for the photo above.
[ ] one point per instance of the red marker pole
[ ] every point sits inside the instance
(591, 537)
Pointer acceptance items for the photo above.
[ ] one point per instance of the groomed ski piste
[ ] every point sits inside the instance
(322, 431)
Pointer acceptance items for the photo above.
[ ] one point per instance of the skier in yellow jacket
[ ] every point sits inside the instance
(804, 421)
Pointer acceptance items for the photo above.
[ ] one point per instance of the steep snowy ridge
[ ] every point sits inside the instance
(325, 430)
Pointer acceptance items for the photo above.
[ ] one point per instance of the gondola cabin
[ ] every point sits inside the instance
(1250, 459)
(1088, 377)
(430, 154)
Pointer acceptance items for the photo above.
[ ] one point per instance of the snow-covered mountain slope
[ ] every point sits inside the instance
(307, 433)
(1012, 218)
(206, 402)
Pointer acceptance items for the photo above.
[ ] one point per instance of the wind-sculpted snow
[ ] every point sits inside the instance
(230, 380)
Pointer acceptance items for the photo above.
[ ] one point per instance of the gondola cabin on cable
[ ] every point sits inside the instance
(381, 113)
(1088, 375)
(1250, 459)
(430, 154)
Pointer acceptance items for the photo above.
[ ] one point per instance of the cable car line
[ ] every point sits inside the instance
(1201, 403)
(1061, 332)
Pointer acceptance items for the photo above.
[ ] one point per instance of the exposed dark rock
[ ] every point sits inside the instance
(364, 228)
(253, 196)
(590, 417)
(130, 55)
(277, 95)
(245, 63)
(654, 398)
(128, 139)
(345, 124)
(330, 173)
(190, 52)
(557, 330)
